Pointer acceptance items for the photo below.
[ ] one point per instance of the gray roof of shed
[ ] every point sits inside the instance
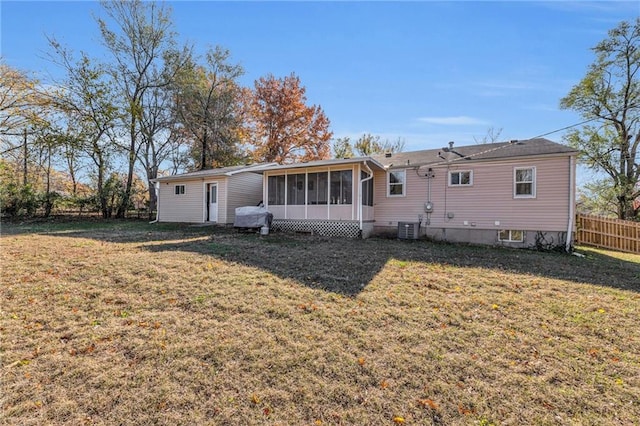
(219, 172)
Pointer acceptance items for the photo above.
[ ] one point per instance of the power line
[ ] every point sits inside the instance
(566, 128)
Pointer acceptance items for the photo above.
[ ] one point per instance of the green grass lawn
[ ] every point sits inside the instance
(131, 323)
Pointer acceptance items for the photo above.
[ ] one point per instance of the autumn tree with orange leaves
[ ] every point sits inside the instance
(281, 127)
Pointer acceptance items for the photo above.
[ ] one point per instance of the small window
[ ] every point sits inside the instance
(396, 183)
(179, 189)
(462, 178)
(524, 182)
(510, 235)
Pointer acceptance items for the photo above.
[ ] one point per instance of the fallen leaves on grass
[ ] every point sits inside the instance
(428, 403)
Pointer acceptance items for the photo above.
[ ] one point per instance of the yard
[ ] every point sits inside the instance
(130, 323)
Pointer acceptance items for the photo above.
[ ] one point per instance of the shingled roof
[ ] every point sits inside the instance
(481, 152)
(222, 171)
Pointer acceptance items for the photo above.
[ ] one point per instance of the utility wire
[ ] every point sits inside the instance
(566, 128)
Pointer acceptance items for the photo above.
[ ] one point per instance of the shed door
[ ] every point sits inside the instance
(213, 202)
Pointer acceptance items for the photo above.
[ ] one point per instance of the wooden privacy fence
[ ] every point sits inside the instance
(615, 234)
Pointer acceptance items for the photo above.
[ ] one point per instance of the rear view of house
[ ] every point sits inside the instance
(518, 193)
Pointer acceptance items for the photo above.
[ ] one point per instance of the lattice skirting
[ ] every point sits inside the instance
(327, 228)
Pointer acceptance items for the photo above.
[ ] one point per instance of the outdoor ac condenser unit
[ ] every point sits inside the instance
(408, 230)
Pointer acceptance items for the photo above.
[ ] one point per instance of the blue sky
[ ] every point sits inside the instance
(428, 72)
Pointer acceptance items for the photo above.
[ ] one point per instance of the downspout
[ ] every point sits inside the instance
(156, 187)
(572, 214)
(368, 169)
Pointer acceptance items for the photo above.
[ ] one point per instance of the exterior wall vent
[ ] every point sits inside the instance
(408, 230)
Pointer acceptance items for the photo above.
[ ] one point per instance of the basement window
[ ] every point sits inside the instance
(180, 189)
(511, 236)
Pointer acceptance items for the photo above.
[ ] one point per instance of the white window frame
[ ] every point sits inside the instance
(180, 189)
(451, 172)
(510, 238)
(533, 182)
(404, 183)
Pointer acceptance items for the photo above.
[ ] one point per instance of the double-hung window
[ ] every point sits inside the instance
(461, 178)
(396, 182)
(524, 182)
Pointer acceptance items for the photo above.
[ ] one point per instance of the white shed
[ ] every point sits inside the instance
(208, 195)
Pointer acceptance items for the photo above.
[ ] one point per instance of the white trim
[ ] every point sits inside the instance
(404, 183)
(455, 185)
(533, 182)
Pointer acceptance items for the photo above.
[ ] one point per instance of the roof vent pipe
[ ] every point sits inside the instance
(450, 145)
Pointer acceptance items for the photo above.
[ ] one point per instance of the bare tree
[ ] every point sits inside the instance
(492, 136)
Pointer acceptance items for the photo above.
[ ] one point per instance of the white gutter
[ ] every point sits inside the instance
(572, 214)
(360, 191)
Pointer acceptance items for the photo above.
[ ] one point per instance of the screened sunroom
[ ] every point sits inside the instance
(332, 197)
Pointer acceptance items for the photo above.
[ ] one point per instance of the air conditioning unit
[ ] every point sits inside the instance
(408, 230)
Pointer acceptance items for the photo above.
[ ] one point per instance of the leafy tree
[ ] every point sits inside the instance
(281, 127)
(87, 101)
(369, 144)
(342, 148)
(597, 197)
(609, 95)
(209, 110)
(146, 58)
(20, 101)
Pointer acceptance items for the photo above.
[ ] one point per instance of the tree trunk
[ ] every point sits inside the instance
(26, 157)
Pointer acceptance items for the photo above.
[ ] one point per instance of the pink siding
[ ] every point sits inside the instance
(488, 200)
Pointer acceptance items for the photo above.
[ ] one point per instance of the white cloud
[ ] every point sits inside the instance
(460, 120)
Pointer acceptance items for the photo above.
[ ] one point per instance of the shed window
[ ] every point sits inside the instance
(179, 190)
(396, 183)
(524, 182)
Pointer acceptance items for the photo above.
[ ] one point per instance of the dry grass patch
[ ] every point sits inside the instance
(126, 323)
